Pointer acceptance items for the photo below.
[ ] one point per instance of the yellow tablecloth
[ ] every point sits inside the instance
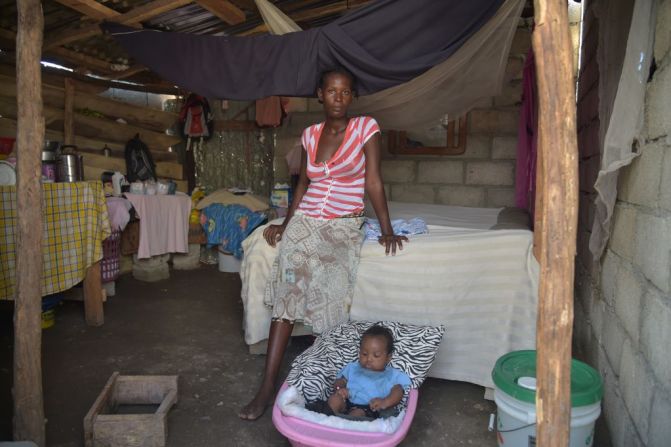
(75, 224)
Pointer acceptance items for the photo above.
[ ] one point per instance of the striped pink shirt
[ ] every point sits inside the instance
(337, 185)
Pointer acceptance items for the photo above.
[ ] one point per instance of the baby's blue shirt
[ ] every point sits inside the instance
(364, 384)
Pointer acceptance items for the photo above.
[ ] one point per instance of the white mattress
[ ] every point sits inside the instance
(480, 284)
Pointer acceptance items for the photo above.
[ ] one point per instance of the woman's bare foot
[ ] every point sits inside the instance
(255, 409)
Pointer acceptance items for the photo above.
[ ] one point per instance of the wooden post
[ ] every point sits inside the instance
(28, 401)
(93, 296)
(68, 112)
(558, 165)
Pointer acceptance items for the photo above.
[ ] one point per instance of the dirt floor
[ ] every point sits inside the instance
(191, 325)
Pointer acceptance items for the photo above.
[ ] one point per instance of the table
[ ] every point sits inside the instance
(75, 224)
(164, 223)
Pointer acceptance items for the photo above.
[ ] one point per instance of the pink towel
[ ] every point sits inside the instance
(164, 223)
(118, 209)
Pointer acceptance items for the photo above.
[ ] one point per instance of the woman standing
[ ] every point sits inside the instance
(313, 277)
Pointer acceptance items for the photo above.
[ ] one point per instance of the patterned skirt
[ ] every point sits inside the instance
(312, 279)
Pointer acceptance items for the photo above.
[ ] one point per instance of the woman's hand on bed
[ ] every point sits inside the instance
(391, 241)
(273, 234)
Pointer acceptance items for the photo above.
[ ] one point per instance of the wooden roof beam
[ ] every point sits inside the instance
(77, 59)
(225, 10)
(127, 73)
(94, 85)
(134, 16)
(69, 36)
(90, 8)
(310, 14)
(83, 60)
(149, 10)
(249, 4)
(333, 8)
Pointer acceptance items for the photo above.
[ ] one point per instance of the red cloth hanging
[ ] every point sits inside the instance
(527, 142)
(269, 111)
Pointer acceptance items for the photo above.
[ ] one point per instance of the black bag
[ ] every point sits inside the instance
(139, 163)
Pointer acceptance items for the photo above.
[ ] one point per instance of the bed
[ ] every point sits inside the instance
(474, 273)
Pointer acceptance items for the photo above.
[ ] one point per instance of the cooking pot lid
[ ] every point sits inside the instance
(51, 145)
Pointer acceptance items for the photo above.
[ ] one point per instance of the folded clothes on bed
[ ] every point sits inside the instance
(416, 225)
(229, 225)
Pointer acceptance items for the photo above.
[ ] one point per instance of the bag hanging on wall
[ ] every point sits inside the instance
(195, 119)
(139, 162)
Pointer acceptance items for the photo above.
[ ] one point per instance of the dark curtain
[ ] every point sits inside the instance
(383, 44)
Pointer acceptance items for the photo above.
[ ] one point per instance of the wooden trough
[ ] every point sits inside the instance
(104, 426)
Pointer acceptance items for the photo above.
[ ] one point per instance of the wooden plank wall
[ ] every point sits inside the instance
(93, 123)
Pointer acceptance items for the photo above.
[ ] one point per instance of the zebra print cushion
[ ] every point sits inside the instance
(313, 372)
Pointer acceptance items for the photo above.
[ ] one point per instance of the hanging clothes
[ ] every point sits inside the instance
(196, 125)
(269, 111)
(527, 140)
(195, 117)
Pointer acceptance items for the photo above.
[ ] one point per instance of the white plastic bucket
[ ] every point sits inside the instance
(227, 262)
(514, 377)
(516, 422)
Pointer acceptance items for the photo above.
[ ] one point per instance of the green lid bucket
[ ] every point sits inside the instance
(586, 384)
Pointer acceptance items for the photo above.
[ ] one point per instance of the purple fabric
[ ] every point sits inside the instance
(385, 43)
(527, 143)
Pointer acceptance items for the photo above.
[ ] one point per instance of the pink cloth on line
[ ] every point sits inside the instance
(527, 143)
(164, 223)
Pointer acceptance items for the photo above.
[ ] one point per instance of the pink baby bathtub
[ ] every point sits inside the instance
(303, 433)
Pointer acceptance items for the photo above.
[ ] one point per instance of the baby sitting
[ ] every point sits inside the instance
(368, 388)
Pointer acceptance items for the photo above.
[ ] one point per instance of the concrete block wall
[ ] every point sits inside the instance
(623, 304)
(484, 176)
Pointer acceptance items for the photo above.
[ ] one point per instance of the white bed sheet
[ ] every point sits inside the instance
(480, 284)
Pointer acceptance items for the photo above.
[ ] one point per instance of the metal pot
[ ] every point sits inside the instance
(51, 150)
(70, 167)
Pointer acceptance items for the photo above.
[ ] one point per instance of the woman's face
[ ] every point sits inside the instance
(336, 94)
